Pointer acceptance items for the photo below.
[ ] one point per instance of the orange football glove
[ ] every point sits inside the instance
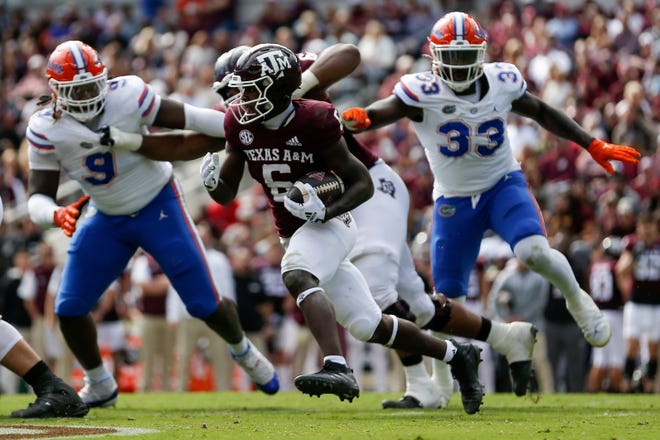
(356, 118)
(602, 152)
(67, 216)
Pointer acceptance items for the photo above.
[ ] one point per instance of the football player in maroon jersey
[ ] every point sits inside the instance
(638, 276)
(281, 140)
(607, 362)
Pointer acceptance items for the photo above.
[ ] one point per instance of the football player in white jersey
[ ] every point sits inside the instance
(134, 202)
(55, 398)
(459, 111)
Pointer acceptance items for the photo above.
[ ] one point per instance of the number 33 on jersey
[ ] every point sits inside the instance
(469, 139)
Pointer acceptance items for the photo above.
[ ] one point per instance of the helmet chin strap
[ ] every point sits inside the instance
(467, 94)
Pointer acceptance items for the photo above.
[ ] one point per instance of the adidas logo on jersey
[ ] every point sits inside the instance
(294, 142)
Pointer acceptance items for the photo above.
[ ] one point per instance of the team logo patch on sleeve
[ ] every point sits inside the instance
(246, 137)
(446, 210)
(387, 187)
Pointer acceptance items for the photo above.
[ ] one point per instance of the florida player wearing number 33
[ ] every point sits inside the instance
(135, 203)
(458, 111)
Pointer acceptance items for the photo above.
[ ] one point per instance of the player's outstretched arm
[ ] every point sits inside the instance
(557, 122)
(334, 63)
(174, 114)
(174, 145)
(378, 114)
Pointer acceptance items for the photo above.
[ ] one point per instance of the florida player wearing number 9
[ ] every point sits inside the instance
(135, 203)
(459, 111)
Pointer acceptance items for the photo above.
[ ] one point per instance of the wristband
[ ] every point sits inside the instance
(42, 209)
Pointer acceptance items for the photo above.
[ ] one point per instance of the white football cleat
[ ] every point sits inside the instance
(594, 325)
(260, 370)
(420, 393)
(429, 394)
(444, 381)
(103, 393)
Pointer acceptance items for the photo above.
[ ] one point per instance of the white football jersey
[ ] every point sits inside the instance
(120, 182)
(465, 143)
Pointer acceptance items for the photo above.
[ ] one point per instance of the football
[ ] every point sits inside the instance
(327, 185)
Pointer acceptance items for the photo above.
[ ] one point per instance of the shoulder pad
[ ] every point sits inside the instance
(132, 93)
(505, 78)
(416, 88)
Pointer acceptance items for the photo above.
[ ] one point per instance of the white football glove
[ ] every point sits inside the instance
(210, 171)
(312, 210)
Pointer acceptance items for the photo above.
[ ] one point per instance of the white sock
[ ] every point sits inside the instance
(414, 373)
(337, 359)
(240, 348)
(441, 371)
(97, 374)
(451, 351)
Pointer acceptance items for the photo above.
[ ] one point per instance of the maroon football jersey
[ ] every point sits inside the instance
(646, 272)
(277, 158)
(602, 284)
(356, 148)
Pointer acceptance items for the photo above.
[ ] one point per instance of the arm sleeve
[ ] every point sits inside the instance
(203, 120)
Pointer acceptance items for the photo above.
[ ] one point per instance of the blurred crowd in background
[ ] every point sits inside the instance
(600, 65)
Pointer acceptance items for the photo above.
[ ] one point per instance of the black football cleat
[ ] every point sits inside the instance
(406, 402)
(464, 368)
(54, 399)
(519, 347)
(333, 378)
(521, 377)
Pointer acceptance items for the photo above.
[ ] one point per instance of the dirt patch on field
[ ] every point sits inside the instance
(27, 432)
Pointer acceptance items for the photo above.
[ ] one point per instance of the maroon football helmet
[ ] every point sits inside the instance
(222, 71)
(266, 76)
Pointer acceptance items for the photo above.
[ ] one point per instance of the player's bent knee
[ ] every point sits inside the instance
(362, 328)
(533, 252)
(202, 310)
(9, 337)
(422, 307)
(71, 308)
(402, 310)
(299, 280)
(442, 315)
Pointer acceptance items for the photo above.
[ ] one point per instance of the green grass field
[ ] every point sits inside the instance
(292, 415)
